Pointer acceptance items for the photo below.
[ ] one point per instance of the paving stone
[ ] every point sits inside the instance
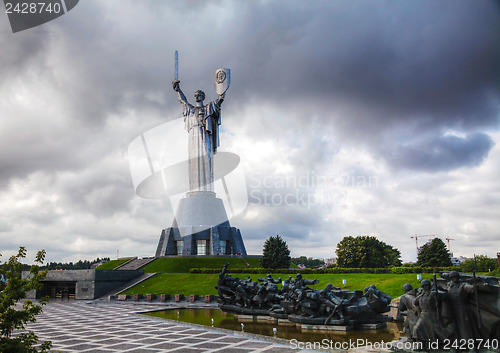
(234, 350)
(71, 342)
(166, 345)
(76, 327)
(81, 347)
(191, 340)
(254, 344)
(210, 335)
(231, 339)
(136, 336)
(170, 336)
(150, 340)
(123, 346)
(188, 350)
(210, 345)
(193, 332)
(277, 350)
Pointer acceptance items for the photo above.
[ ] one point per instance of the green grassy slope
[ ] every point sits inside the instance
(112, 264)
(201, 284)
(184, 264)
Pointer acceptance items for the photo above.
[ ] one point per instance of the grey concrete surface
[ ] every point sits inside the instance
(106, 327)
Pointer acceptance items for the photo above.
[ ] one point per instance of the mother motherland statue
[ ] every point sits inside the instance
(202, 123)
(201, 225)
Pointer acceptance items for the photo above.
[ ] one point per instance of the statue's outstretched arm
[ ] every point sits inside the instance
(220, 99)
(180, 95)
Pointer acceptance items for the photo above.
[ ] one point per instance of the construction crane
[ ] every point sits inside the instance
(448, 240)
(420, 236)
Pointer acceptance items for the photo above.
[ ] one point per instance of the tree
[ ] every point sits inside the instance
(13, 288)
(366, 251)
(434, 254)
(308, 262)
(275, 253)
(484, 264)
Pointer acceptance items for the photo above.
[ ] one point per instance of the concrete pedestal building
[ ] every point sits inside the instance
(200, 227)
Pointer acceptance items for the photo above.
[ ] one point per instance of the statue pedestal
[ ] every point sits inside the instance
(200, 209)
(200, 227)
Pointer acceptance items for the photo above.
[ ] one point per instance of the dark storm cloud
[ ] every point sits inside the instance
(405, 61)
(443, 153)
(361, 67)
(366, 68)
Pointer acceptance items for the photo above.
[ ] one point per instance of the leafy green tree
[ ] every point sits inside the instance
(434, 254)
(13, 289)
(366, 251)
(276, 253)
(308, 262)
(484, 264)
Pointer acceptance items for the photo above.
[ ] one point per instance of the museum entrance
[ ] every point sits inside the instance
(60, 290)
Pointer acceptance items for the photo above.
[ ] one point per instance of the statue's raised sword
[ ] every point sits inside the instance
(176, 65)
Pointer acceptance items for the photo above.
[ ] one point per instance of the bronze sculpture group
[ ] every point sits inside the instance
(455, 311)
(298, 303)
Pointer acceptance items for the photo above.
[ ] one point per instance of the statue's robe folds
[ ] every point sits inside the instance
(202, 124)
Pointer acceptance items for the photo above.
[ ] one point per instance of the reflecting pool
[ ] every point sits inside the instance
(218, 318)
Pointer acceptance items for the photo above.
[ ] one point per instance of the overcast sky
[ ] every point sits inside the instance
(350, 118)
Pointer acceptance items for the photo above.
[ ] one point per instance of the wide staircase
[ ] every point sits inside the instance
(134, 264)
(128, 285)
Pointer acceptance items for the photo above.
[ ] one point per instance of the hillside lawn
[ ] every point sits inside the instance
(201, 284)
(112, 264)
(184, 264)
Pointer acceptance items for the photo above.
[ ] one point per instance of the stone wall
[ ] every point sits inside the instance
(89, 284)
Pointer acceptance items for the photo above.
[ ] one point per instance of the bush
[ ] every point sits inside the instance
(11, 316)
(495, 273)
(484, 264)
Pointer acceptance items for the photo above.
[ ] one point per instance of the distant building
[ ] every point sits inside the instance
(331, 261)
(457, 261)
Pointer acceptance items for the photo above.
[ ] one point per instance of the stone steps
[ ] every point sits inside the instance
(135, 264)
(128, 285)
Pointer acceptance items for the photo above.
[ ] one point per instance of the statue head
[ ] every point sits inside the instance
(407, 287)
(454, 276)
(426, 285)
(299, 276)
(199, 96)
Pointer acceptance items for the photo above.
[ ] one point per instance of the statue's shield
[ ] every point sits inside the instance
(222, 80)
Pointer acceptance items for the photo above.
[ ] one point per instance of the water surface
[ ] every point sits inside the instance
(228, 321)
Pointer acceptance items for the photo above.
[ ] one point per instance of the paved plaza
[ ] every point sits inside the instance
(103, 327)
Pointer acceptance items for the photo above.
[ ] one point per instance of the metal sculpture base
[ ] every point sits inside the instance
(200, 227)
